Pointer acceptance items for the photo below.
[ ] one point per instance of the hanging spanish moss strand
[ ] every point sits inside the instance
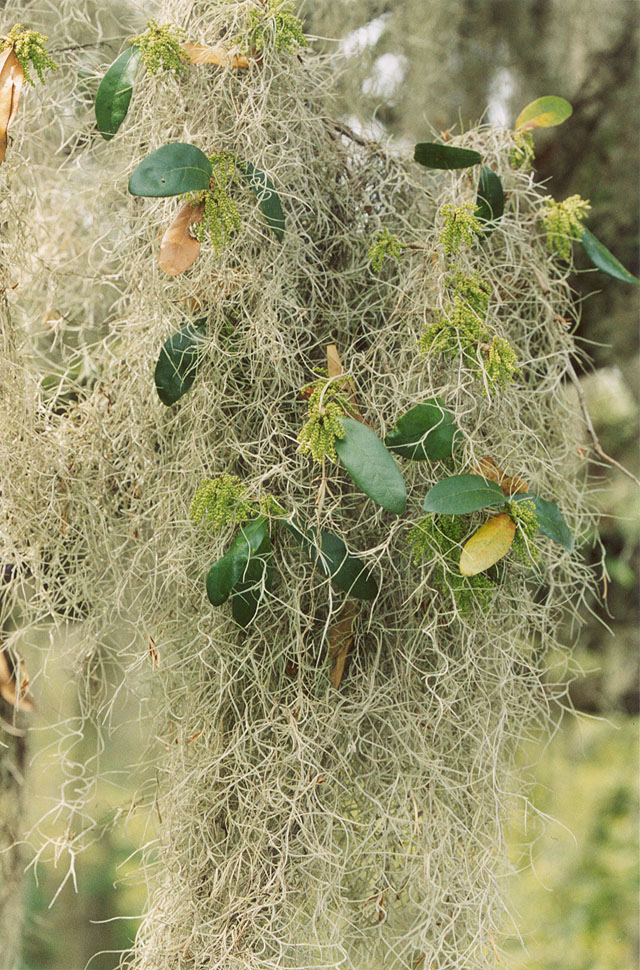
(300, 825)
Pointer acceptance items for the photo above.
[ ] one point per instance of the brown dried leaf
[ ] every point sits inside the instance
(490, 543)
(510, 486)
(11, 81)
(178, 249)
(24, 702)
(200, 54)
(340, 640)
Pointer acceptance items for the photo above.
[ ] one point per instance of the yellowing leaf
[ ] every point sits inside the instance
(510, 486)
(490, 543)
(178, 249)
(200, 54)
(544, 112)
(11, 81)
(340, 640)
(8, 686)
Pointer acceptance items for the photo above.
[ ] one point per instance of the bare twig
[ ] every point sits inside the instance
(595, 441)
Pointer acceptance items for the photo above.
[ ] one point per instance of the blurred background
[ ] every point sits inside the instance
(413, 69)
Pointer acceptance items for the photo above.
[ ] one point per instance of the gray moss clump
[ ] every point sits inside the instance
(299, 825)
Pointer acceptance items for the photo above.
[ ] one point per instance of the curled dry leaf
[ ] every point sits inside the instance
(200, 54)
(340, 640)
(490, 543)
(510, 486)
(8, 686)
(11, 81)
(178, 249)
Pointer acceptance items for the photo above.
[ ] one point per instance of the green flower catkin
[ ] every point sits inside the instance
(161, 48)
(502, 364)
(454, 331)
(562, 222)
(461, 227)
(384, 244)
(221, 501)
(440, 537)
(327, 406)
(29, 48)
(524, 515)
(220, 219)
(273, 24)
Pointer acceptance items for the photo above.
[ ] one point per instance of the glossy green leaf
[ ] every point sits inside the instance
(604, 260)
(426, 431)
(334, 561)
(490, 200)
(114, 93)
(257, 577)
(371, 466)
(179, 361)
(463, 493)
(268, 199)
(544, 112)
(550, 520)
(226, 573)
(432, 155)
(171, 170)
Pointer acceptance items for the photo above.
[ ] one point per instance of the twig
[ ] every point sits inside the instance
(353, 135)
(595, 441)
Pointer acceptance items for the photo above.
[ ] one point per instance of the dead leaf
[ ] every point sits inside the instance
(20, 699)
(490, 543)
(200, 54)
(340, 640)
(178, 249)
(510, 486)
(334, 369)
(11, 81)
